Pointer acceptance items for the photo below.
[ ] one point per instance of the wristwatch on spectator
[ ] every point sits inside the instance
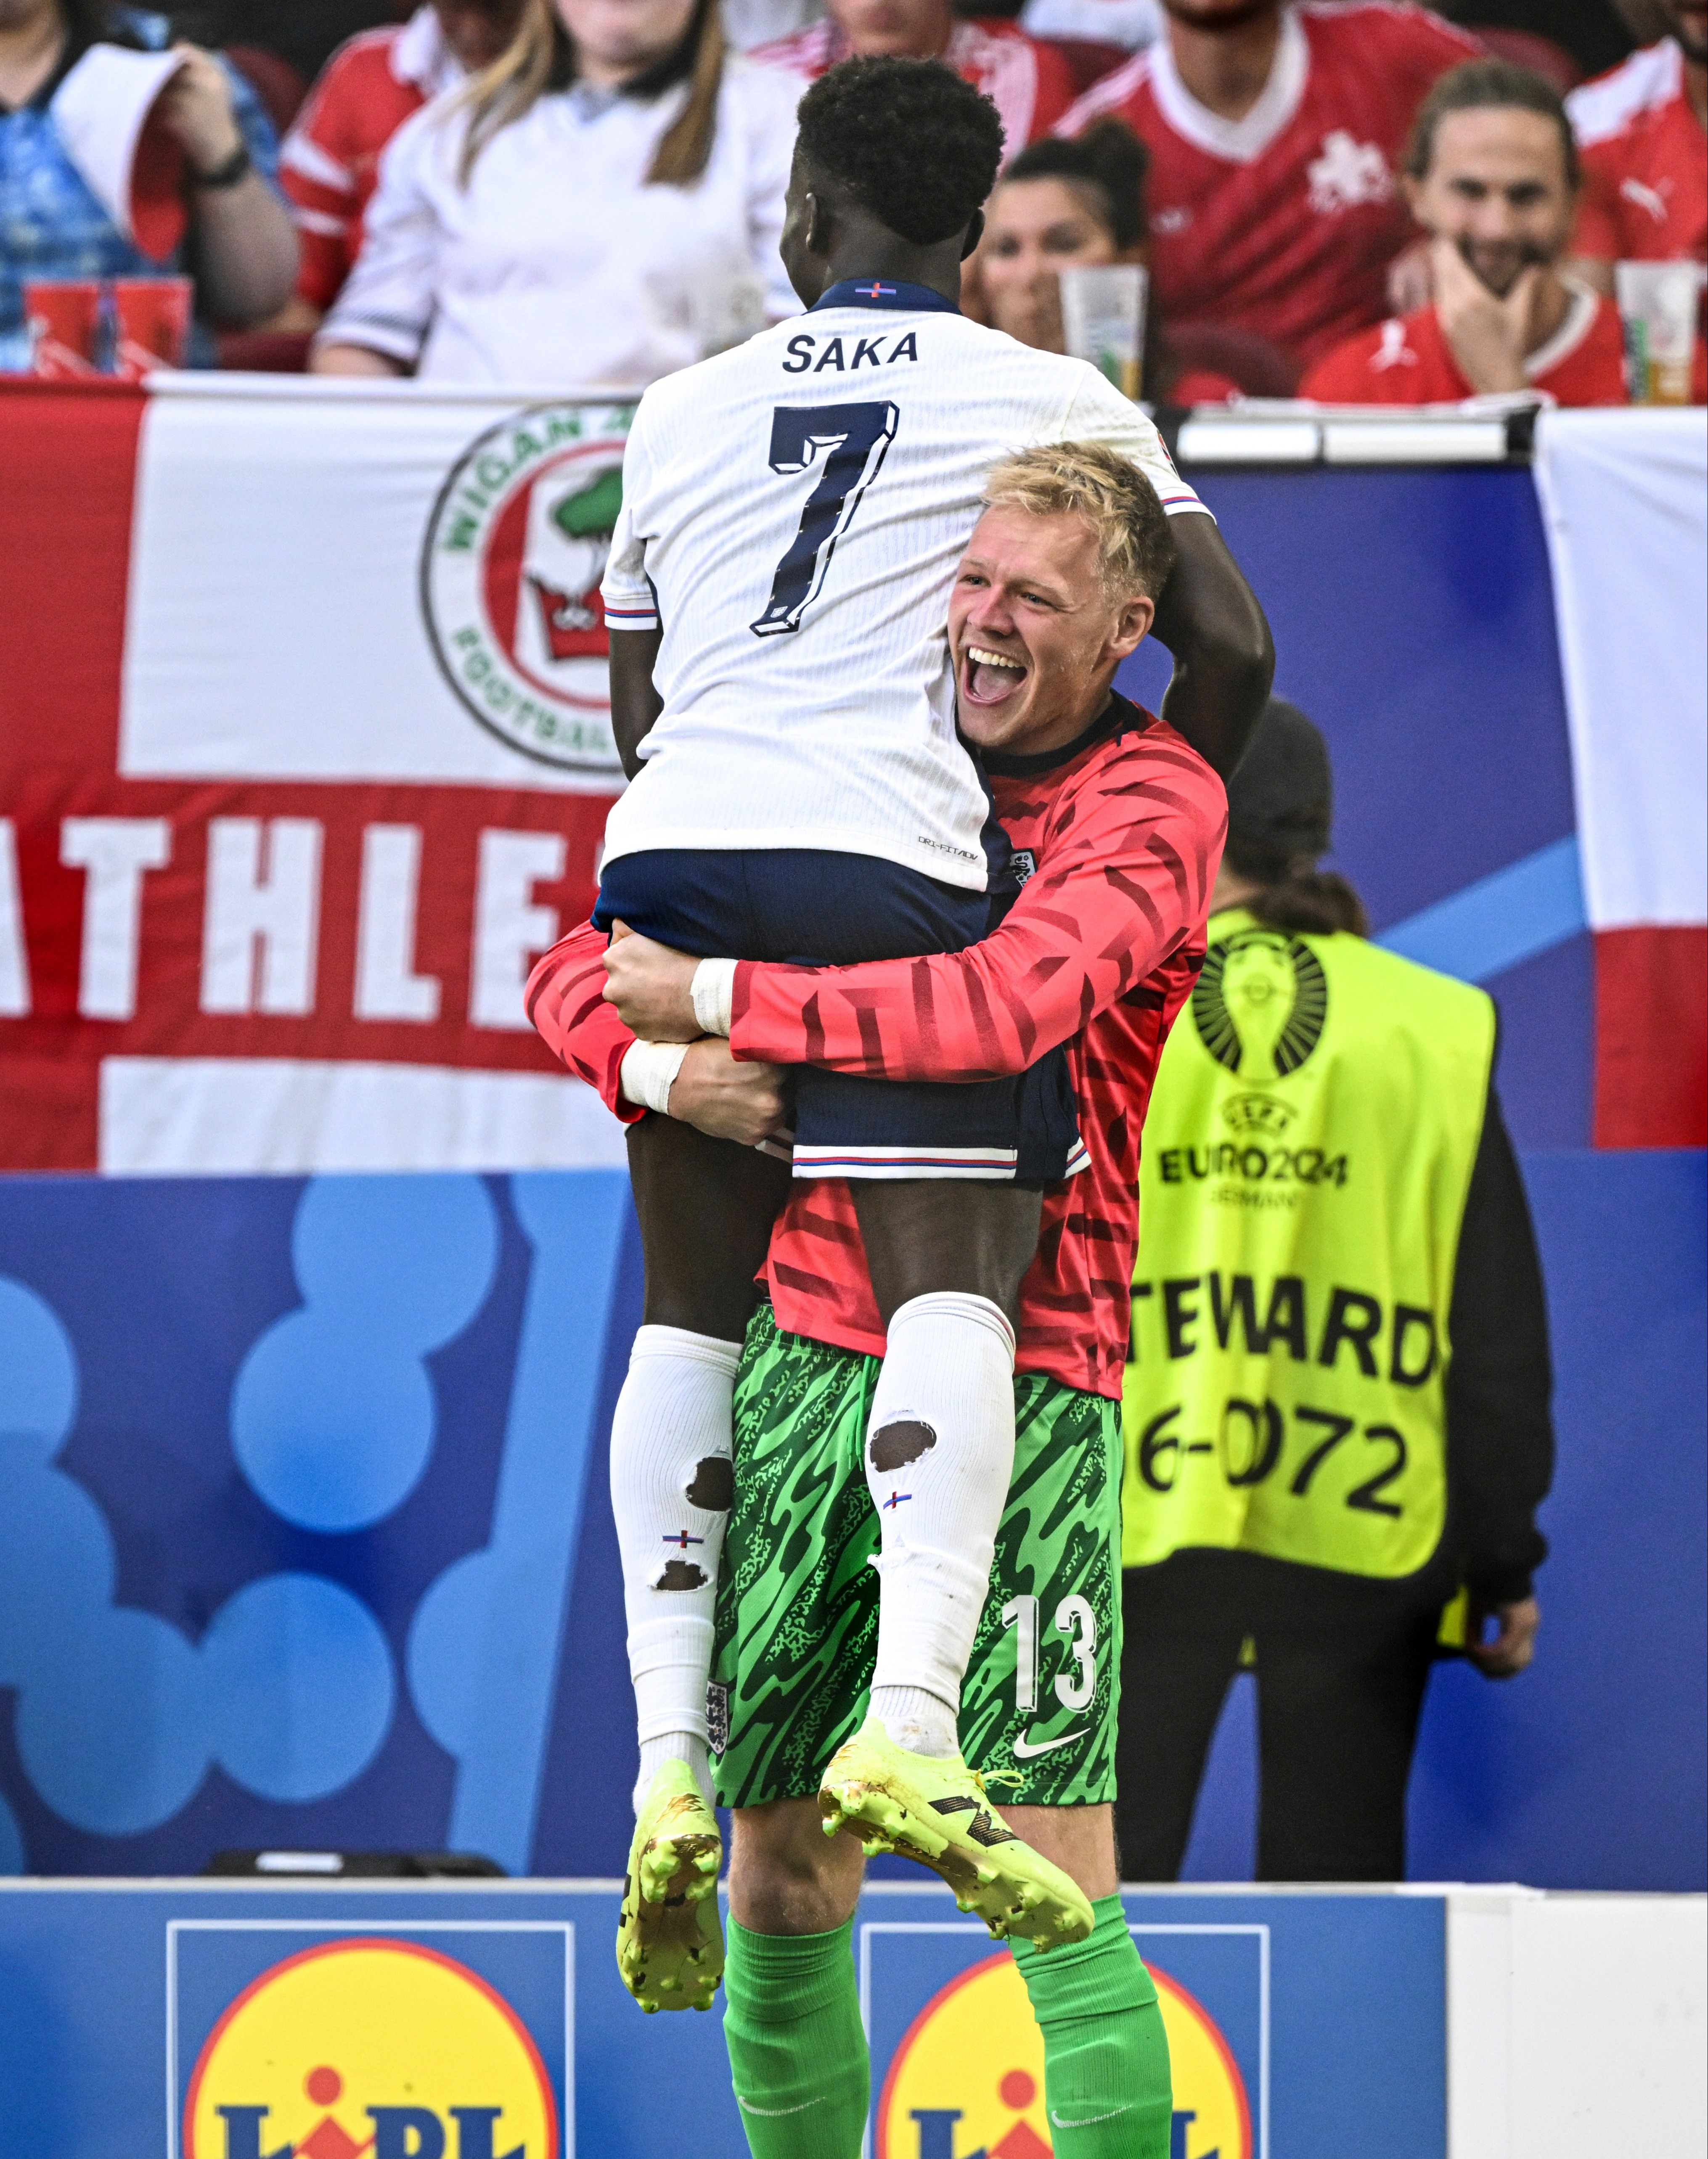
(228, 172)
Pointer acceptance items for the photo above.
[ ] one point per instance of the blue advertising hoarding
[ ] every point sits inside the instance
(212, 2021)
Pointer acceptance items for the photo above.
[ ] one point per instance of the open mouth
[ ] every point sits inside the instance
(988, 677)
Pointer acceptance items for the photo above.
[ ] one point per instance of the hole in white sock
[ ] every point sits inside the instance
(898, 1444)
(680, 1574)
(712, 1488)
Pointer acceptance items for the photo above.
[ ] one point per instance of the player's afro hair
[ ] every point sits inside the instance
(907, 141)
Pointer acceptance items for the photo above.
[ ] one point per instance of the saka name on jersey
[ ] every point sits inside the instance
(793, 514)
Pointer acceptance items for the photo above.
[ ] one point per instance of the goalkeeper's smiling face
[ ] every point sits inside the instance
(1035, 633)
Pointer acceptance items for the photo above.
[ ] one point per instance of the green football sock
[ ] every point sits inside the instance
(797, 2050)
(1105, 2054)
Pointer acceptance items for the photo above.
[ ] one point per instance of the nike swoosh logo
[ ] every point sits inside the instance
(1024, 1749)
(1090, 2120)
(773, 2113)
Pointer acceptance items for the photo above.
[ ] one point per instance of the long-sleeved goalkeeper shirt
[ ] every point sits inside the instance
(1122, 831)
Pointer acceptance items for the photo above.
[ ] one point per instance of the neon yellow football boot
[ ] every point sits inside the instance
(669, 1938)
(934, 1809)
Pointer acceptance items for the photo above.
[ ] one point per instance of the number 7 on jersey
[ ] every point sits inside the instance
(853, 439)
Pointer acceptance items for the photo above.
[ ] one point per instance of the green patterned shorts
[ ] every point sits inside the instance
(797, 1602)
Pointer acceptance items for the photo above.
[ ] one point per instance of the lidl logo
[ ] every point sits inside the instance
(967, 2080)
(362, 2045)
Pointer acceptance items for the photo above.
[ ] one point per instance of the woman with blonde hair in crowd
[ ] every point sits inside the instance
(601, 205)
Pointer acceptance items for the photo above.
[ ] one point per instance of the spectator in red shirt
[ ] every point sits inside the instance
(1492, 173)
(1643, 132)
(1065, 205)
(330, 165)
(1029, 83)
(1275, 133)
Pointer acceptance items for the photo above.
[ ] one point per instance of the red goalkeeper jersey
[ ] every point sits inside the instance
(1122, 833)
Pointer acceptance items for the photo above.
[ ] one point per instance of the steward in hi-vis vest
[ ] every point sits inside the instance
(1336, 1402)
(1307, 1158)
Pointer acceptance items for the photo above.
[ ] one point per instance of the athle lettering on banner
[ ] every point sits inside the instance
(264, 921)
(394, 924)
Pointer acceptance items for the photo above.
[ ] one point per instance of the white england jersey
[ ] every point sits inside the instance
(793, 514)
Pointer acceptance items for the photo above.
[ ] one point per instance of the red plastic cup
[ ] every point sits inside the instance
(83, 329)
(60, 313)
(154, 318)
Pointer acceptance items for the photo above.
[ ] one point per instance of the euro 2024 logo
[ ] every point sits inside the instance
(510, 569)
(367, 2047)
(1259, 1007)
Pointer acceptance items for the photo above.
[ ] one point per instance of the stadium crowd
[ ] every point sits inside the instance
(1357, 200)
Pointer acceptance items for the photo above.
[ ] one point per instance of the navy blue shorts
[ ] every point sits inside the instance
(811, 908)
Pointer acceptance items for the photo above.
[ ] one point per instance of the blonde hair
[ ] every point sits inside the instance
(1134, 547)
(542, 57)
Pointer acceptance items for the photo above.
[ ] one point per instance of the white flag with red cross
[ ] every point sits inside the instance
(306, 755)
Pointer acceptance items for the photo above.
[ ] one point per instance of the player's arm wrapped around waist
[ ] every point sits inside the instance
(1123, 889)
(565, 999)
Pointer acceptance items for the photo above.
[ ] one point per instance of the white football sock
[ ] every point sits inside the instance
(916, 1720)
(940, 1452)
(671, 1490)
(674, 1746)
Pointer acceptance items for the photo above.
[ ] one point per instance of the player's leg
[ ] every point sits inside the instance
(797, 2048)
(946, 1259)
(1107, 2083)
(797, 1619)
(706, 1209)
(1042, 1699)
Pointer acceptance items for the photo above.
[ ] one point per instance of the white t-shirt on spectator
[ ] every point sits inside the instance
(750, 23)
(556, 263)
(1133, 23)
(793, 516)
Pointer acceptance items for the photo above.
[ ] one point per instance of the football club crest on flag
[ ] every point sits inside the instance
(514, 554)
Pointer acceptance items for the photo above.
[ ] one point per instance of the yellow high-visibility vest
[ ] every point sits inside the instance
(1307, 1156)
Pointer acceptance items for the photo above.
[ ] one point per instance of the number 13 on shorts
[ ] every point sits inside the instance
(1075, 1618)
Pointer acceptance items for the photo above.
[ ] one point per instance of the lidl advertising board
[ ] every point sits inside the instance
(211, 2019)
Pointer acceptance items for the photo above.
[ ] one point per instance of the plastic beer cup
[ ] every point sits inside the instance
(1657, 301)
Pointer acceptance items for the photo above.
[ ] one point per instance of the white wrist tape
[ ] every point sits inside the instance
(713, 991)
(647, 1072)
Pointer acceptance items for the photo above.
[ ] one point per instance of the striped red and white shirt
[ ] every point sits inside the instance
(1100, 950)
(1029, 83)
(330, 163)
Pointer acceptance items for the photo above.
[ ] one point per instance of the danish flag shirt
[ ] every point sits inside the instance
(1409, 361)
(1283, 224)
(1645, 162)
(793, 514)
(330, 163)
(1031, 84)
(1100, 950)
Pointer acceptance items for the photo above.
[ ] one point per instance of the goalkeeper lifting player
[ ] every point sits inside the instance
(1123, 823)
(806, 797)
